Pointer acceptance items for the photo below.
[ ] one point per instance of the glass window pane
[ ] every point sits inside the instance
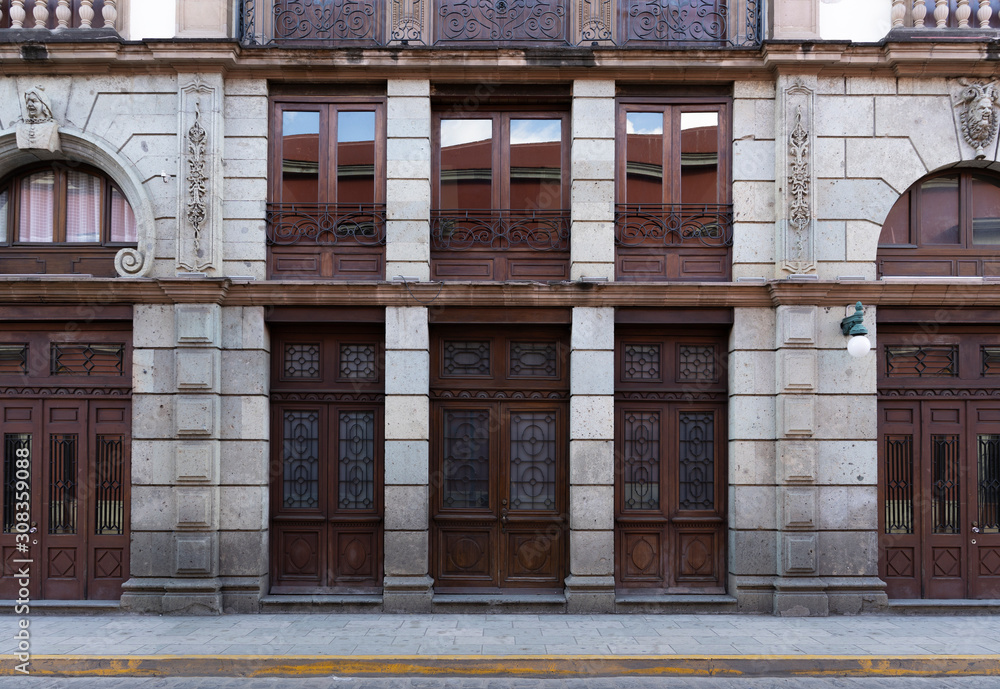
(896, 229)
(4, 208)
(898, 484)
(939, 211)
(989, 483)
(122, 218)
(641, 458)
(532, 460)
(536, 164)
(985, 211)
(699, 157)
(299, 157)
(466, 164)
(356, 484)
(83, 207)
(946, 485)
(696, 460)
(109, 482)
(300, 459)
(16, 475)
(62, 483)
(466, 461)
(356, 157)
(37, 207)
(644, 157)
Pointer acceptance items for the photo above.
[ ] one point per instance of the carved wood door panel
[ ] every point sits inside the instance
(499, 459)
(326, 485)
(71, 458)
(670, 477)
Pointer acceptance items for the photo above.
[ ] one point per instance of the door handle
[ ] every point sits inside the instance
(503, 520)
(975, 527)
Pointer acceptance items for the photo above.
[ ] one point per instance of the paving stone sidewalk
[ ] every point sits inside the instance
(477, 634)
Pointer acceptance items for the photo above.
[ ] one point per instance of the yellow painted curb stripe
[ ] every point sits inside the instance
(507, 666)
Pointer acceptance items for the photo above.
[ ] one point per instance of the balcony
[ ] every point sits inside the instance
(78, 15)
(324, 241)
(500, 244)
(687, 241)
(511, 23)
(967, 15)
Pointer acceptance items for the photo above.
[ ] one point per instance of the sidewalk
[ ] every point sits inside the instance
(522, 645)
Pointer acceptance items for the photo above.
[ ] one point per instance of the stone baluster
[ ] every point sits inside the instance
(962, 13)
(984, 14)
(941, 14)
(919, 12)
(17, 14)
(86, 13)
(41, 14)
(898, 13)
(110, 13)
(63, 14)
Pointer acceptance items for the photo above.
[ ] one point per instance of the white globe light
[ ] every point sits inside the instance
(858, 346)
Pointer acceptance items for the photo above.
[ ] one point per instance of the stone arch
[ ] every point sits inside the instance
(86, 148)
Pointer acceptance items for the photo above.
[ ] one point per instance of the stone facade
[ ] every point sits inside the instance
(802, 529)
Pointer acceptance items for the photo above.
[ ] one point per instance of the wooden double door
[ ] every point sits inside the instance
(499, 479)
(65, 498)
(326, 486)
(939, 485)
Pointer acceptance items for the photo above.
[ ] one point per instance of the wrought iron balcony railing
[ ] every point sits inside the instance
(639, 23)
(679, 224)
(360, 224)
(486, 229)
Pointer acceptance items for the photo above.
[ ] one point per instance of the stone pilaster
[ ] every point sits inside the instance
(592, 251)
(175, 472)
(752, 529)
(200, 19)
(244, 461)
(590, 586)
(407, 584)
(408, 174)
(795, 19)
(754, 150)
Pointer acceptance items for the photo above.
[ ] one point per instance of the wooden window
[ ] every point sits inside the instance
(326, 214)
(501, 196)
(674, 218)
(944, 225)
(61, 219)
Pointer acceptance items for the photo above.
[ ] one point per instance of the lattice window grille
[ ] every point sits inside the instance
(302, 360)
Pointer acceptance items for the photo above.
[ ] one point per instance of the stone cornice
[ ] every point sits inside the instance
(937, 54)
(42, 290)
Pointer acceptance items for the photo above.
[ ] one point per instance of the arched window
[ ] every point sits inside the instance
(62, 219)
(946, 225)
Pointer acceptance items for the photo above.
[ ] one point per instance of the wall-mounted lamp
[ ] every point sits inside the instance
(859, 344)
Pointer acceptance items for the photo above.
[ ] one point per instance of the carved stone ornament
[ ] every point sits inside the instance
(196, 179)
(978, 118)
(38, 129)
(798, 241)
(199, 206)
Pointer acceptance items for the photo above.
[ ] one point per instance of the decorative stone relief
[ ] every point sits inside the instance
(38, 128)
(199, 209)
(977, 114)
(797, 241)
(407, 21)
(595, 21)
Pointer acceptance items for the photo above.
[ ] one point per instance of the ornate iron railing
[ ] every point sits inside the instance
(637, 23)
(673, 224)
(360, 224)
(535, 230)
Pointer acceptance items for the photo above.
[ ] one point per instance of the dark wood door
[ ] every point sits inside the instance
(670, 441)
(326, 430)
(66, 469)
(499, 486)
(939, 461)
(940, 493)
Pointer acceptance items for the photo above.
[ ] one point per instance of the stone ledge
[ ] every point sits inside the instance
(65, 607)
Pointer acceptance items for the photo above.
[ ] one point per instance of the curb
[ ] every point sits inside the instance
(507, 666)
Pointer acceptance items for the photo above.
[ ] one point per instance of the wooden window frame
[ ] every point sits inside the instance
(682, 260)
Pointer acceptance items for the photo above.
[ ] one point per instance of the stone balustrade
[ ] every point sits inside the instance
(946, 14)
(59, 15)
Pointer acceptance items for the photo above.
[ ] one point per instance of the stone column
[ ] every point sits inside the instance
(175, 472)
(590, 586)
(754, 179)
(244, 476)
(407, 584)
(795, 19)
(799, 590)
(592, 252)
(200, 19)
(408, 178)
(752, 537)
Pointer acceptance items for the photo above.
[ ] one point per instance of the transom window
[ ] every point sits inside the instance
(58, 204)
(944, 225)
